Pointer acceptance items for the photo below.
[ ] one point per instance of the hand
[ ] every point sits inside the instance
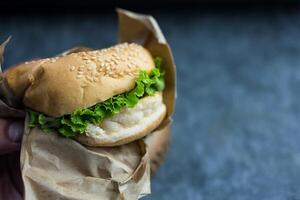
(11, 132)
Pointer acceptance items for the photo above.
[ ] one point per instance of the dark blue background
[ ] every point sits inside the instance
(236, 127)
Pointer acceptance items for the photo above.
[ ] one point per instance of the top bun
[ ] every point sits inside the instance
(58, 86)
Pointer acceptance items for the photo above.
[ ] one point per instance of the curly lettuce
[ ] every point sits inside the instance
(77, 122)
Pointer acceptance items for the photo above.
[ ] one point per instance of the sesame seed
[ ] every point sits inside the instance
(79, 76)
(113, 68)
(88, 77)
(72, 68)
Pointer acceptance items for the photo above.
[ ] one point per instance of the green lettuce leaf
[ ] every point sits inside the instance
(77, 122)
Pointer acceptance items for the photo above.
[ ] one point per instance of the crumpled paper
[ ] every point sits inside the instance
(54, 167)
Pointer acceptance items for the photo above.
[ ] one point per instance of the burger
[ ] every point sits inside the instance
(102, 97)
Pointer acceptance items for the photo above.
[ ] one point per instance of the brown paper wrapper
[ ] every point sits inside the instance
(54, 167)
(2, 48)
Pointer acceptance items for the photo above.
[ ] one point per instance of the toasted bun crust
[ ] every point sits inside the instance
(60, 85)
(128, 125)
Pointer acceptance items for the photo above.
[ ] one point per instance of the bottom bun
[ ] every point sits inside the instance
(128, 125)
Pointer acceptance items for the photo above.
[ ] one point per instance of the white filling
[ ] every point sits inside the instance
(129, 120)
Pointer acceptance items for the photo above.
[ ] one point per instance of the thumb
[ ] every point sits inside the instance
(11, 133)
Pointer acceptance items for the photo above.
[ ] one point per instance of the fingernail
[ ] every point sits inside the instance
(15, 131)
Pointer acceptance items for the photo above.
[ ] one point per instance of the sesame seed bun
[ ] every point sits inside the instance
(58, 86)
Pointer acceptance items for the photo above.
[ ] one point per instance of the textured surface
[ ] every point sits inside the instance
(81, 74)
(236, 131)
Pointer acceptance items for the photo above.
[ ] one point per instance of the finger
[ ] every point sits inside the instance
(11, 133)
